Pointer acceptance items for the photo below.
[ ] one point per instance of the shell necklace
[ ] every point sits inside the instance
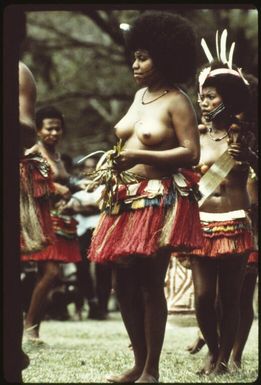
(216, 139)
(153, 100)
(55, 157)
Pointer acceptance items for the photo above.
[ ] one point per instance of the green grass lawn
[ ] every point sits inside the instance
(87, 351)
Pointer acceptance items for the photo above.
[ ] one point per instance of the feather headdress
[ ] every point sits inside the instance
(221, 51)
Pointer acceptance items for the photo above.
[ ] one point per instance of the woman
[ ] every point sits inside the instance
(249, 121)
(65, 248)
(159, 213)
(221, 261)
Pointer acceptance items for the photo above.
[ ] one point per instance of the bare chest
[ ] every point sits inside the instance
(150, 125)
(211, 150)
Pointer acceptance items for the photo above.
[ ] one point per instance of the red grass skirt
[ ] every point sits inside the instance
(62, 250)
(228, 237)
(36, 230)
(65, 247)
(149, 216)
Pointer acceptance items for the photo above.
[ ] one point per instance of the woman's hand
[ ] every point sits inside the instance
(125, 160)
(63, 191)
(239, 149)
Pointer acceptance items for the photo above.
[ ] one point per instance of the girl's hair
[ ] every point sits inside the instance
(232, 89)
(171, 42)
(48, 112)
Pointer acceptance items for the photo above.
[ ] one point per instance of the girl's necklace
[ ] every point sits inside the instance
(56, 156)
(153, 100)
(216, 139)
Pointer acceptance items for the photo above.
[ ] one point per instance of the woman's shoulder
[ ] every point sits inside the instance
(33, 149)
(179, 100)
(179, 93)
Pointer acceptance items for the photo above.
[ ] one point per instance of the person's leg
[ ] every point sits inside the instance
(86, 280)
(152, 277)
(204, 274)
(103, 276)
(197, 345)
(246, 317)
(49, 271)
(84, 277)
(127, 288)
(230, 279)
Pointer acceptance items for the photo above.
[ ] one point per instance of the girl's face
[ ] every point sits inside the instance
(51, 131)
(144, 70)
(208, 100)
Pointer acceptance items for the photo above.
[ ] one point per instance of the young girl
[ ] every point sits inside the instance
(219, 265)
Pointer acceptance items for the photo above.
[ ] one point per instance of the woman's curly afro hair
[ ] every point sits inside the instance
(232, 89)
(170, 41)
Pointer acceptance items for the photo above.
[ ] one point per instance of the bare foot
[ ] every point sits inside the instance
(209, 364)
(129, 376)
(196, 346)
(235, 365)
(220, 369)
(147, 378)
(31, 334)
(31, 331)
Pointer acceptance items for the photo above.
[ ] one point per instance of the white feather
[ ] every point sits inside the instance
(223, 43)
(241, 74)
(206, 50)
(217, 47)
(230, 56)
(202, 77)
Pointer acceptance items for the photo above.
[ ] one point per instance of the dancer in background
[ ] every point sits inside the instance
(65, 247)
(248, 121)
(221, 262)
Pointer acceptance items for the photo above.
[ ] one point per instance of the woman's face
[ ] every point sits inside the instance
(144, 70)
(208, 100)
(51, 131)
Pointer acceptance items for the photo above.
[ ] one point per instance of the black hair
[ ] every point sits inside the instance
(171, 42)
(232, 89)
(48, 112)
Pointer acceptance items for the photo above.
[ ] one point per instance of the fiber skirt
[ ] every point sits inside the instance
(65, 247)
(147, 217)
(225, 234)
(36, 230)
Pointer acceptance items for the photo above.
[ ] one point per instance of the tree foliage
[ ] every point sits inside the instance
(79, 61)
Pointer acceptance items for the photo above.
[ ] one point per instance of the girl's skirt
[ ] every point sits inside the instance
(65, 246)
(149, 216)
(225, 234)
(36, 231)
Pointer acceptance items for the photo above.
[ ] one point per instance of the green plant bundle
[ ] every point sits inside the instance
(106, 174)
